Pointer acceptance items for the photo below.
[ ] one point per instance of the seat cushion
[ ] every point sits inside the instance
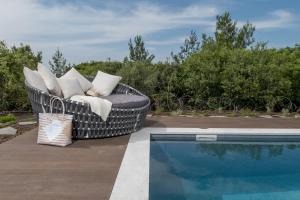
(126, 101)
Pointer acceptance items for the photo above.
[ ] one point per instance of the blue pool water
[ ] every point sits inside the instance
(190, 170)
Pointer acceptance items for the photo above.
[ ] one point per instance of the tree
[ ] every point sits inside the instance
(58, 65)
(190, 46)
(227, 32)
(137, 51)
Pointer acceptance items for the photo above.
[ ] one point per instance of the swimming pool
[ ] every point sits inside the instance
(135, 178)
(235, 167)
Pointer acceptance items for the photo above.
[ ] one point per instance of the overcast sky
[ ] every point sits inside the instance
(95, 29)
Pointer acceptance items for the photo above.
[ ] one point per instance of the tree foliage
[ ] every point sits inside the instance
(58, 65)
(228, 34)
(223, 71)
(236, 78)
(216, 77)
(12, 89)
(91, 68)
(137, 51)
(190, 46)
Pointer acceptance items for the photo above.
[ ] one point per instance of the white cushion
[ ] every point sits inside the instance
(34, 79)
(70, 87)
(74, 74)
(105, 83)
(92, 92)
(50, 80)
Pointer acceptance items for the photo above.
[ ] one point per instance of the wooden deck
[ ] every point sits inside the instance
(88, 168)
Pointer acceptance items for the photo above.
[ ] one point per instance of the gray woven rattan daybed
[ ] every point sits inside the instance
(128, 113)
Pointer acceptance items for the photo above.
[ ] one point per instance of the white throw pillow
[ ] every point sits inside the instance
(34, 79)
(70, 87)
(50, 80)
(92, 92)
(74, 74)
(105, 83)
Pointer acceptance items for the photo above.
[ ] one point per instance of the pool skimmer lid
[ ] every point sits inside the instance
(206, 137)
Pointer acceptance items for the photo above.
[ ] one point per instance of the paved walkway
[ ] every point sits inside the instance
(88, 168)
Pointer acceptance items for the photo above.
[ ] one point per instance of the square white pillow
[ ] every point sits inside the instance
(70, 87)
(34, 79)
(105, 83)
(74, 74)
(50, 80)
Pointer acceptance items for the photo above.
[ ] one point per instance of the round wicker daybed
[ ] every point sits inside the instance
(128, 113)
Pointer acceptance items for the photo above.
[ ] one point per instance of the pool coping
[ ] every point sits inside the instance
(132, 182)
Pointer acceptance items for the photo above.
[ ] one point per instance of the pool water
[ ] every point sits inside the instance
(192, 170)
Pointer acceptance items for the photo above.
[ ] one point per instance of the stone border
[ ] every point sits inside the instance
(132, 182)
(8, 131)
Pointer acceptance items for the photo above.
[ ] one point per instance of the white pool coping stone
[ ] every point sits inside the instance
(132, 182)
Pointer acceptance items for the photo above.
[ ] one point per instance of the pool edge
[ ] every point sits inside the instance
(132, 182)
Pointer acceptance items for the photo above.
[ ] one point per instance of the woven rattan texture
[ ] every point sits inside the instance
(86, 124)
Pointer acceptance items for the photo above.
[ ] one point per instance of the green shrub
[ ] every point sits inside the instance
(247, 112)
(253, 80)
(200, 76)
(216, 78)
(230, 78)
(91, 68)
(7, 118)
(158, 81)
(12, 89)
(213, 78)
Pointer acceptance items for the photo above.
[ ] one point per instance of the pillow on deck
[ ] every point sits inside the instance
(105, 83)
(70, 87)
(50, 80)
(34, 79)
(74, 74)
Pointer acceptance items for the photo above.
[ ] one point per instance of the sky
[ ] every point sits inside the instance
(100, 29)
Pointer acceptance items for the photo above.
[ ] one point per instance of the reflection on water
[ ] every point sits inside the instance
(253, 150)
(192, 171)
